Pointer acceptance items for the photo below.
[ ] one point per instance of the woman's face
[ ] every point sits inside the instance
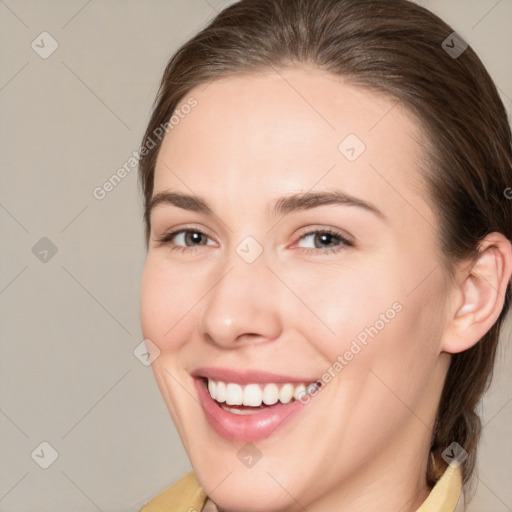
(301, 247)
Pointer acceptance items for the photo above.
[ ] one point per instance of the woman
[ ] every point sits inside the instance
(329, 256)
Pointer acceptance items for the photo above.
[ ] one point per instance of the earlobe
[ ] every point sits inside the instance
(482, 287)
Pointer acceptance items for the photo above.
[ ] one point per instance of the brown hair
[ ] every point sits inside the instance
(393, 47)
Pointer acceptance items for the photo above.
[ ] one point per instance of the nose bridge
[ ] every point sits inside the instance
(239, 304)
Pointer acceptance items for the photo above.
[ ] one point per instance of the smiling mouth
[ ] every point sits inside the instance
(253, 397)
(250, 405)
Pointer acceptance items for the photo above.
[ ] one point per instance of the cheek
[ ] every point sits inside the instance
(344, 305)
(168, 297)
(372, 315)
(384, 347)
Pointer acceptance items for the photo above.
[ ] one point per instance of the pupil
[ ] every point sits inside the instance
(194, 237)
(326, 239)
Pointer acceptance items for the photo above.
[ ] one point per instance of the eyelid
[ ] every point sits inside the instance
(308, 230)
(345, 239)
(169, 235)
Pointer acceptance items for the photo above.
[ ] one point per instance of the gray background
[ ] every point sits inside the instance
(70, 324)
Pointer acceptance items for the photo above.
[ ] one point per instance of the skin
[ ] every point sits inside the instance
(362, 443)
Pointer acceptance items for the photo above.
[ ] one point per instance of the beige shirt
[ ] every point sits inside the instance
(186, 495)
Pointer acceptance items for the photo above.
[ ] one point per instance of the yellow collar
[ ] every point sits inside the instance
(446, 494)
(186, 494)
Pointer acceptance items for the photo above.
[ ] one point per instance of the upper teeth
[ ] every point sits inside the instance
(254, 395)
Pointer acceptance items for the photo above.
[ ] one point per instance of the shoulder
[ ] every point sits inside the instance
(185, 494)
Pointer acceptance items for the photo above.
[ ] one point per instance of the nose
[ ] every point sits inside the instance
(242, 305)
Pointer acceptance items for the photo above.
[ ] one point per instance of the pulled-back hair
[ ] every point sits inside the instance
(394, 48)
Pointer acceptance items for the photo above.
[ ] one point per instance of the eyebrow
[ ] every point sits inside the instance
(282, 206)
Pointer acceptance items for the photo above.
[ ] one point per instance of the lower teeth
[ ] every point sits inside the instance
(245, 409)
(252, 410)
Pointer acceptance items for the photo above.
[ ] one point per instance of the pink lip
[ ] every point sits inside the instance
(248, 377)
(248, 428)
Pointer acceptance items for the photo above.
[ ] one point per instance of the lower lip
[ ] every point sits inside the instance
(248, 427)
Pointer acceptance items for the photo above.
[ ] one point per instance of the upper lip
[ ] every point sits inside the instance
(247, 376)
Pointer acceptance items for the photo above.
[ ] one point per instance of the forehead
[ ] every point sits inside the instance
(287, 131)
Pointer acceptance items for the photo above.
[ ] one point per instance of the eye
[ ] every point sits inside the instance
(323, 240)
(185, 239)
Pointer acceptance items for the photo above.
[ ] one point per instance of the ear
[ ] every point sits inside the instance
(480, 294)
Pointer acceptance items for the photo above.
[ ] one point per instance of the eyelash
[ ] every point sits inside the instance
(167, 239)
(344, 242)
